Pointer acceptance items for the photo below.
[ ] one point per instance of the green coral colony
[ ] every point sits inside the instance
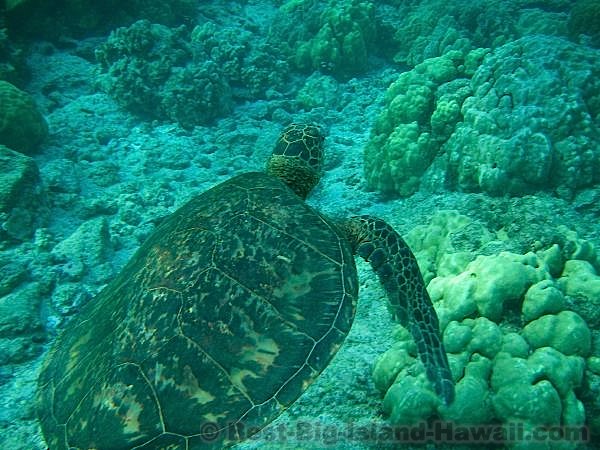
(226, 314)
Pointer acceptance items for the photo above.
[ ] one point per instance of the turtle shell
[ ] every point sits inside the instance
(219, 322)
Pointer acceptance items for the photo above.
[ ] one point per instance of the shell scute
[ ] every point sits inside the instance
(223, 317)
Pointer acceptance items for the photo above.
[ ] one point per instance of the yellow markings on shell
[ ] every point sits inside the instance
(264, 351)
(293, 289)
(76, 384)
(210, 417)
(75, 387)
(189, 385)
(161, 378)
(284, 258)
(192, 389)
(295, 285)
(132, 415)
(75, 352)
(163, 256)
(237, 376)
(122, 404)
(308, 381)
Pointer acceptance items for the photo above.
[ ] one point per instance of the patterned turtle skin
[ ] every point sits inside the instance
(226, 314)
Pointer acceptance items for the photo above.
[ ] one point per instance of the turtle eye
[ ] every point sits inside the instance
(302, 141)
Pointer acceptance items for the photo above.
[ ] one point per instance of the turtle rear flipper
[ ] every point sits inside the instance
(393, 261)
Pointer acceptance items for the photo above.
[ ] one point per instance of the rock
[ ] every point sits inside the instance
(21, 199)
(22, 126)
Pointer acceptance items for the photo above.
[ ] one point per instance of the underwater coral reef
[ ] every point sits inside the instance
(471, 127)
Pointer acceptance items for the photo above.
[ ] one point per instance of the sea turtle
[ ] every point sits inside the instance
(226, 314)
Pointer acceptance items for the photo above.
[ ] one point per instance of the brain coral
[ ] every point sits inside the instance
(532, 122)
(148, 69)
(191, 78)
(22, 127)
(431, 28)
(518, 348)
(53, 20)
(585, 19)
(527, 120)
(422, 107)
(334, 37)
(250, 67)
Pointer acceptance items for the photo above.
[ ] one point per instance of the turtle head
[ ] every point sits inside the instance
(297, 158)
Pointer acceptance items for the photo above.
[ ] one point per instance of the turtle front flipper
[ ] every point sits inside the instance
(393, 261)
